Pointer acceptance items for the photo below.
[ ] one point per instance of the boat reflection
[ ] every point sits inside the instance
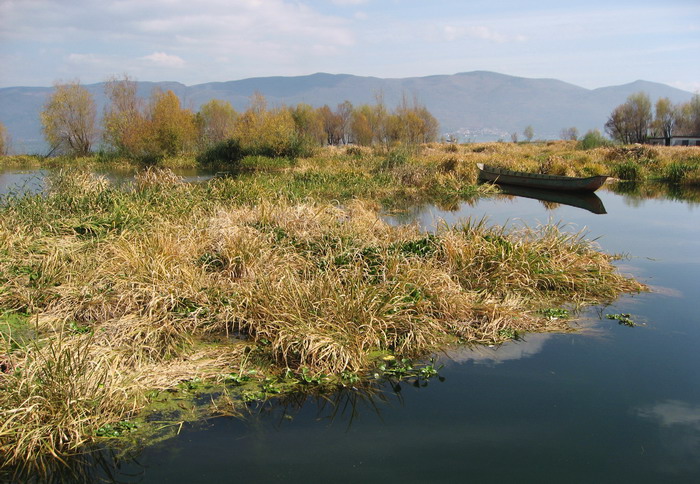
(586, 201)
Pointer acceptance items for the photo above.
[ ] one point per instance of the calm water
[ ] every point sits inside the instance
(612, 404)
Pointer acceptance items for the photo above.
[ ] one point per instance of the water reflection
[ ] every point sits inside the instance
(552, 199)
(98, 465)
(679, 434)
(346, 405)
(18, 182)
(636, 193)
(527, 346)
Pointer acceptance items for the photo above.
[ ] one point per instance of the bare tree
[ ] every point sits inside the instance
(630, 122)
(569, 134)
(344, 112)
(123, 119)
(529, 133)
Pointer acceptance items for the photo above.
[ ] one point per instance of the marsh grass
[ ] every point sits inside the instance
(159, 282)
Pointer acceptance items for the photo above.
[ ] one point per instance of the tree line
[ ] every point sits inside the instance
(634, 121)
(161, 127)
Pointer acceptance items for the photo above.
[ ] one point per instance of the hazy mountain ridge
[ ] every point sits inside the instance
(478, 105)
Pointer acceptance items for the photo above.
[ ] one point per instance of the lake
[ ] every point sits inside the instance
(610, 403)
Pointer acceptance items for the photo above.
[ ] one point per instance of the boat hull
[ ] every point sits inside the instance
(536, 180)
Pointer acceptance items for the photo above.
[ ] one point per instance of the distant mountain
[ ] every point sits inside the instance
(478, 106)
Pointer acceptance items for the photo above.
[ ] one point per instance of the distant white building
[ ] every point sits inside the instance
(675, 141)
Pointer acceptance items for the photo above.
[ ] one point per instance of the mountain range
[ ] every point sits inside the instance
(474, 106)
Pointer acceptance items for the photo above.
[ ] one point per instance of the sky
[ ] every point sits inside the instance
(592, 43)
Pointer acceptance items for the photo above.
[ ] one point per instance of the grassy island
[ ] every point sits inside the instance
(282, 274)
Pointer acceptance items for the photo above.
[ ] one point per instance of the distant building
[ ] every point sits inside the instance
(675, 141)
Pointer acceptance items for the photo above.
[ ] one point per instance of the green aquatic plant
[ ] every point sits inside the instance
(117, 429)
(624, 319)
(556, 313)
(508, 333)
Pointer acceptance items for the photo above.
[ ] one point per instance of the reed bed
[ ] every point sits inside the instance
(141, 287)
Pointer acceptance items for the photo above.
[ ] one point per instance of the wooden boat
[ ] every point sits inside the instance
(536, 180)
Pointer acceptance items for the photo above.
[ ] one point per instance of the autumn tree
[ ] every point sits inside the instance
(332, 125)
(266, 132)
(688, 117)
(630, 122)
(124, 123)
(361, 126)
(411, 124)
(378, 120)
(171, 130)
(4, 140)
(664, 119)
(308, 124)
(217, 120)
(68, 119)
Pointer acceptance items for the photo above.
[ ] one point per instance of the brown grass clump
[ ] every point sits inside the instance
(154, 177)
(55, 401)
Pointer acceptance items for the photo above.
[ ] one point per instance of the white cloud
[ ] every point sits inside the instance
(164, 60)
(87, 59)
(686, 86)
(453, 32)
(349, 2)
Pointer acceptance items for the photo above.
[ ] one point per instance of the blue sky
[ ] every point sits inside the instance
(591, 44)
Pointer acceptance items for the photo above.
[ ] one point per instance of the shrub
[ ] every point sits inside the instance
(397, 157)
(355, 151)
(228, 152)
(628, 170)
(678, 172)
(593, 139)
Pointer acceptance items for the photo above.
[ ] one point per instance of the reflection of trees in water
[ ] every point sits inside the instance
(412, 212)
(636, 192)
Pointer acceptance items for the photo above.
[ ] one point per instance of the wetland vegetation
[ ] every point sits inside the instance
(116, 301)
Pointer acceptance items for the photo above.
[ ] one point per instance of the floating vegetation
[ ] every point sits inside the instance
(624, 319)
(556, 313)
